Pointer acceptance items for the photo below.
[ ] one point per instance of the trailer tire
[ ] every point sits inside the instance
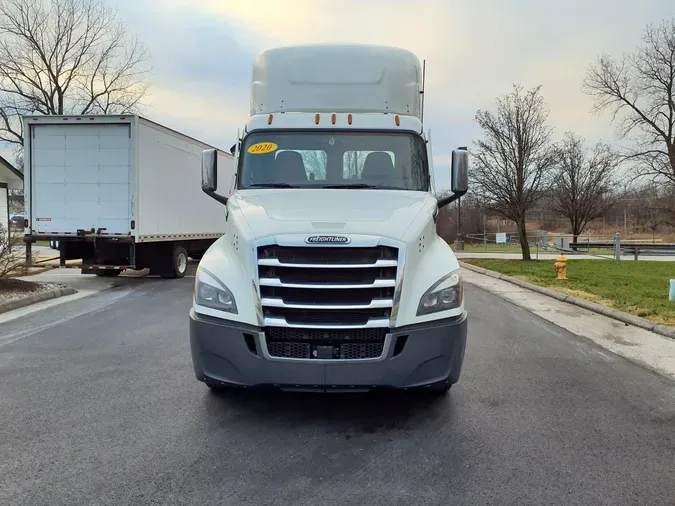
(108, 273)
(179, 263)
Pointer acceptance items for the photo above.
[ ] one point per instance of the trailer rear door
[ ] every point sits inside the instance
(80, 178)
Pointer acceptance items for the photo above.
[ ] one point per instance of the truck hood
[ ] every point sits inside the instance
(387, 213)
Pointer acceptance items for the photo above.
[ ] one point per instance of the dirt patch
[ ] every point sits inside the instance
(26, 271)
(580, 294)
(663, 319)
(13, 289)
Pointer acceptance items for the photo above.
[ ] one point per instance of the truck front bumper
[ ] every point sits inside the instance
(226, 353)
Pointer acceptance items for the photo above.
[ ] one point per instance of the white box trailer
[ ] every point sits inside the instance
(119, 192)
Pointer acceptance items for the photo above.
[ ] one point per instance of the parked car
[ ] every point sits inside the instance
(17, 220)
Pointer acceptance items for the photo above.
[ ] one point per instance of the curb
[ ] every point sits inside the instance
(626, 318)
(35, 298)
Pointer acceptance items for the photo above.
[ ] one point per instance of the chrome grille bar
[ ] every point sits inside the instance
(279, 302)
(378, 283)
(334, 287)
(275, 262)
(371, 324)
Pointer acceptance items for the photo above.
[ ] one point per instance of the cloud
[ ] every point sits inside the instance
(202, 52)
(474, 50)
(199, 116)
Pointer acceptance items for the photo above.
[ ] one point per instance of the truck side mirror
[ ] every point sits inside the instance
(210, 175)
(459, 176)
(209, 170)
(459, 172)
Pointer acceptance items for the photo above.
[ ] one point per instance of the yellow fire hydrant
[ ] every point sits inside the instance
(561, 267)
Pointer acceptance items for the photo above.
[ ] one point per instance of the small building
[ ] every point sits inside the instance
(10, 179)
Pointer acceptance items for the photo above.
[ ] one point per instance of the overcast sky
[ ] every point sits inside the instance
(202, 52)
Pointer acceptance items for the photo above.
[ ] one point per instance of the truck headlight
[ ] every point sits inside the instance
(445, 294)
(212, 293)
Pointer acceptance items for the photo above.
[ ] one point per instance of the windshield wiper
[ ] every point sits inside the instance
(360, 185)
(349, 186)
(274, 185)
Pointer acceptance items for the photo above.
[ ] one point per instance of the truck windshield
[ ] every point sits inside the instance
(275, 159)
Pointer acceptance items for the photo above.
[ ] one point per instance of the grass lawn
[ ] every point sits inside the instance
(640, 288)
(505, 248)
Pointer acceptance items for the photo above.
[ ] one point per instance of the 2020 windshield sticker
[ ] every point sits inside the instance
(262, 148)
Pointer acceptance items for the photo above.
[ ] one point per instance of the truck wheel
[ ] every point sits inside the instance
(219, 390)
(179, 263)
(440, 389)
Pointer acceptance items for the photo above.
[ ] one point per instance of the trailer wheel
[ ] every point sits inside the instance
(179, 263)
(108, 273)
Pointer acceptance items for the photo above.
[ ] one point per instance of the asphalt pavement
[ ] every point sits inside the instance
(99, 405)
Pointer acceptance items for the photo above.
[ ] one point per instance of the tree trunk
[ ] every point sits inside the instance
(522, 234)
(575, 239)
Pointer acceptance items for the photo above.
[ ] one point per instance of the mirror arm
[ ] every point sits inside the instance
(217, 197)
(442, 202)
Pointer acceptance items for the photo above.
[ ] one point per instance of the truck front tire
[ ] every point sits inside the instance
(439, 389)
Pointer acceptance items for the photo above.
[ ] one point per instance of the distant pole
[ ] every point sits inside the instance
(459, 244)
(459, 218)
(617, 246)
(424, 72)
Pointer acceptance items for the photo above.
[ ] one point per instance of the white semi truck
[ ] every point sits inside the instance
(331, 275)
(119, 192)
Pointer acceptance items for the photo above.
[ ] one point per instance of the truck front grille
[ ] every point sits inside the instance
(345, 351)
(343, 293)
(327, 344)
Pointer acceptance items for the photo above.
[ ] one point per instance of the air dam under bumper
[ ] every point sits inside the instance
(229, 353)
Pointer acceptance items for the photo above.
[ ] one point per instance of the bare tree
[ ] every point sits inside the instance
(10, 256)
(583, 183)
(513, 161)
(639, 90)
(353, 163)
(65, 57)
(315, 163)
(18, 161)
(449, 219)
